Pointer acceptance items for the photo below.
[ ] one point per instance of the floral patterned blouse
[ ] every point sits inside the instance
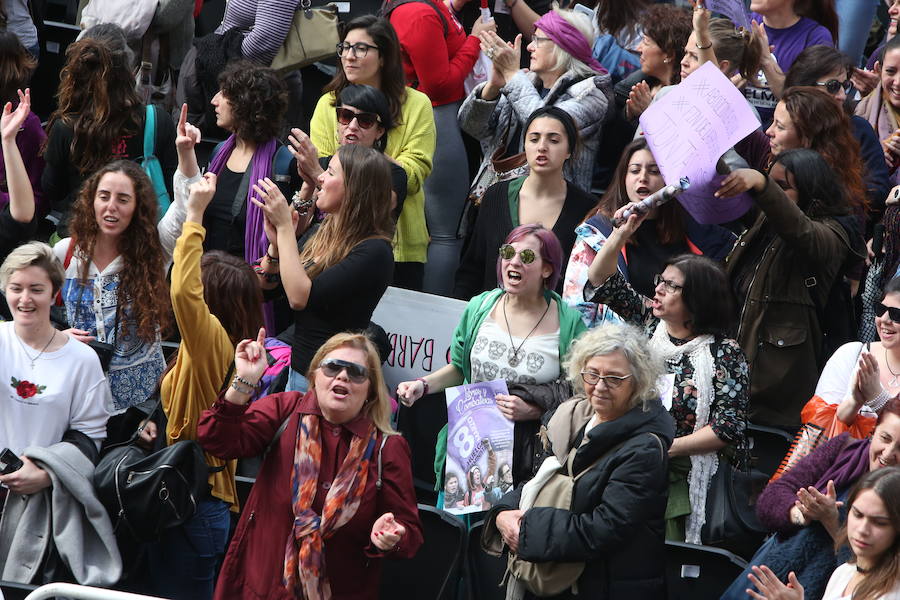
(728, 414)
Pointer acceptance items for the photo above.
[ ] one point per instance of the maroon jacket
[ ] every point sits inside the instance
(255, 559)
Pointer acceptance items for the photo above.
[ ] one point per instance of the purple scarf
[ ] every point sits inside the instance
(851, 464)
(255, 241)
(567, 37)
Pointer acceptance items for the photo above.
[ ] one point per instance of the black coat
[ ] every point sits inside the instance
(616, 524)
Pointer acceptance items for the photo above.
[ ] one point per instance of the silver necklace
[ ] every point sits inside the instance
(892, 382)
(515, 359)
(44, 349)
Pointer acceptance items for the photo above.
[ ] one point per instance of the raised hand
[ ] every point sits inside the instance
(410, 391)
(503, 55)
(11, 121)
(250, 357)
(816, 506)
(274, 206)
(740, 181)
(770, 587)
(639, 99)
(307, 155)
(201, 194)
(187, 136)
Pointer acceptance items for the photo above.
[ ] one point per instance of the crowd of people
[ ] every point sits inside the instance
(637, 344)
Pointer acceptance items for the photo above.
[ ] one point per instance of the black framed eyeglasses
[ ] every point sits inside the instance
(527, 256)
(366, 120)
(893, 312)
(670, 285)
(360, 49)
(833, 85)
(356, 373)
(611, 381)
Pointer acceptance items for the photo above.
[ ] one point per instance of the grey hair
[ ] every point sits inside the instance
(33, 254)
(562, 60)
(646, 366)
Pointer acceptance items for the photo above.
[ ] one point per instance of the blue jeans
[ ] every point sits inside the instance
(185, 562)
(855, 20)
(296, 383)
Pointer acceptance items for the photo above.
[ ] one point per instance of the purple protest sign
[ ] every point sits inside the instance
(479, 444)
(733, 9)
(689, 129)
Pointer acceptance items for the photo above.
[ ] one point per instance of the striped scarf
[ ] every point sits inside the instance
(304, 558)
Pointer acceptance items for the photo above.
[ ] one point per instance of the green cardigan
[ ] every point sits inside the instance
(570, 327)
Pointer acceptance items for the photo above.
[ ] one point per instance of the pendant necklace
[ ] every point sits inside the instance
(893, 382)
(44, 349)
(514, 358)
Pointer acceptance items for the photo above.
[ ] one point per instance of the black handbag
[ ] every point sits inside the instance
(146, 492)
(731, 520)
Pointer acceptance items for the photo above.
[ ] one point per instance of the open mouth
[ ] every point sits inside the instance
(541, 160)
(513, 276)
(340, 391)
(26, 309)
(643, 191)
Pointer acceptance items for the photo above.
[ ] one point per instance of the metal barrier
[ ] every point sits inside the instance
(82, 592)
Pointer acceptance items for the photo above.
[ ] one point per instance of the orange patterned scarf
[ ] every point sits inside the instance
(304, 557)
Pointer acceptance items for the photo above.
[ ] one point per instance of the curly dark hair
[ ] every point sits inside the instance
(98, 100)
(16, 66)
(670, 27)
(393, 79)
(258, 98)
(142, 282)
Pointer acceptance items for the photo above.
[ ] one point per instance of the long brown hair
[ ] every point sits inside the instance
(823, 126)
(98, 100)
(883, 576)
(365, 212)
(232, 293)
(670, 216)
(16, 65)
(393, 79)
(142, 281)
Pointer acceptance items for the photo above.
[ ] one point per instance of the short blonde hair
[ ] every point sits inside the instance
(33, 254)
(562, 60)
(377, 406)
(646, 367)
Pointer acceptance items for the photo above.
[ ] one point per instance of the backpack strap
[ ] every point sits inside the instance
(149, 131)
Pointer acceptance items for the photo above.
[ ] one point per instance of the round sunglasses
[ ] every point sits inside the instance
(356, 373)
(366, 120)
(527, 256)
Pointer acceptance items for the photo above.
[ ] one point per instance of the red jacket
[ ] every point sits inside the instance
(255, 559)
(439, 64)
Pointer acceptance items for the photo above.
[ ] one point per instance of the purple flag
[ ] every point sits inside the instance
(689, 129)
(733, 9)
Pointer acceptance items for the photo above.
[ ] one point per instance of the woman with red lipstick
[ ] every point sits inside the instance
(688, 320)
(520, 331)
(543, 196)
(803, 509)
(334, 495)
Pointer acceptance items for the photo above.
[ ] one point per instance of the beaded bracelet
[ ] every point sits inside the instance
(248, 391)
(425, 385)
(246, 382)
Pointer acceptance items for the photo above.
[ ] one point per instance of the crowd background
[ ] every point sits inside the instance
(182, 223)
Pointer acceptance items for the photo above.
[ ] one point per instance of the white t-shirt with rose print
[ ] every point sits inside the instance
(65, 389)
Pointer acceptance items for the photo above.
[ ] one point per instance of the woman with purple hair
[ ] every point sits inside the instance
(520, 332)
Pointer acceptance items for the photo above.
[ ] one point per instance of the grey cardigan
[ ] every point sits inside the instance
(69, 514)
(587, 100)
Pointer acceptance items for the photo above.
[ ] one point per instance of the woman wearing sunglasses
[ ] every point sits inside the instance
(338, 278)
(543, 196)
(369, 54)
(827, 68)
(860, 378)
(363, 117)
(688, 320)
(784, 268)
(520, 332)
(334, 495)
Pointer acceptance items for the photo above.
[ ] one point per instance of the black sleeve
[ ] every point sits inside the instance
(360, 273)
(13, 233)
(398, 183)
(165, 148)
(545, 395)
(470, 274)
